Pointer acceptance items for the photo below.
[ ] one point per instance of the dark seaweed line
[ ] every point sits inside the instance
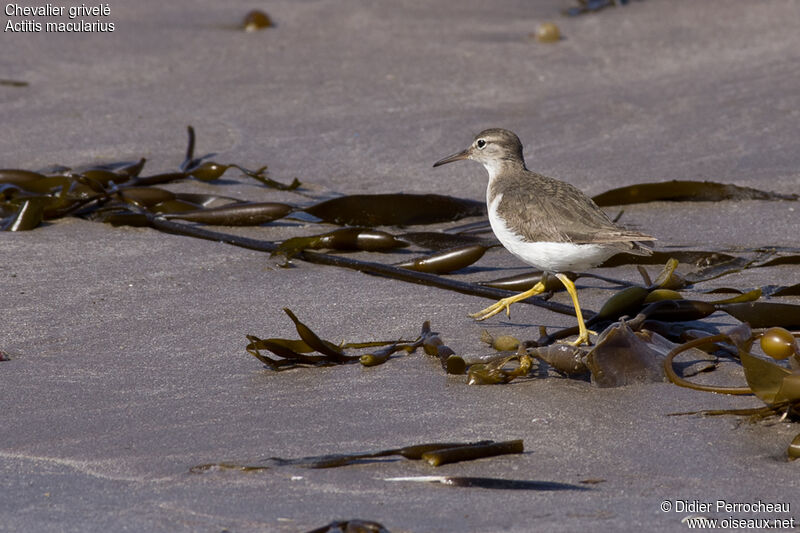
(402, 274)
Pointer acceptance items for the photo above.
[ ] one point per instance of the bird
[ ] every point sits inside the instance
(547, 223)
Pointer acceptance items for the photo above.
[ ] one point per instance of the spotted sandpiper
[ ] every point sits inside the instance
(547, 223)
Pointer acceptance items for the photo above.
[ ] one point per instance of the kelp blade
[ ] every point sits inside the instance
(684, 191)
(764, 314)
(251, 214)
(763, 377)
(468, 453)
(622, 357)
(322, 346)
(395, 209)
(446, 261)
(28, 216)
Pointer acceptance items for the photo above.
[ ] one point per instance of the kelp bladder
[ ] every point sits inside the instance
(256, 20)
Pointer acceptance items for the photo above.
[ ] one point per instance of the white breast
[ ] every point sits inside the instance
(549, 256)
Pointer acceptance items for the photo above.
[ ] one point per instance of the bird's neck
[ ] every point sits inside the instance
(495, 167)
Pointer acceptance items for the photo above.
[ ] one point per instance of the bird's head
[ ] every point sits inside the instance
(495, 148)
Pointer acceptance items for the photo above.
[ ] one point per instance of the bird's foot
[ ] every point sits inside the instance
(505, 303)
(583, 338)
(495, 308)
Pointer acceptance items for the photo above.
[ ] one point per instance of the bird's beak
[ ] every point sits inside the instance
(455, 157)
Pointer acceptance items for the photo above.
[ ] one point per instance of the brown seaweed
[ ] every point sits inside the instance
(344, 239)
(563, 358)
(472, 452)
(678, 310)
(591, 6)
(331, 354)
(145, 196)
(770, 382)
(496, 371)
(157, 179)
(698, 258)
(293, 353)
(454, 451)
(394, 209)
(239, 214)
(378, 357)
(261, 176)
(446, 261)
(433, 345)
(669, 371)
(380, 269)
(627, 301)
(626, 352)
(123, 169)
(793, 451)
(414, 452)
(435, 240)
(210, 170)
(793, 259)
(523, 282)
(657, 295)
(351, 526)
(207, 171)
(781, 290)
(765, 314)
(209, 201)
(630, 300)
(27, 217)
(684, 191)
(322, 346)
(289, 357)
(622, 357)
(13, 83)
(86, 191)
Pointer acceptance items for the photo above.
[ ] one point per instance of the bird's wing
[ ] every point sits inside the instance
(573, 217)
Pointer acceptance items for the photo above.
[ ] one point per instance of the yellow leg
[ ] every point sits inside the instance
(583, 333)
(505, 303)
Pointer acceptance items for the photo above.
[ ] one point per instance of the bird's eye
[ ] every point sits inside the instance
(480, 143)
